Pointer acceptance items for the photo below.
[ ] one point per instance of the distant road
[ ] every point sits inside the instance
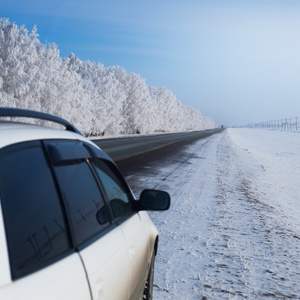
(125, 147)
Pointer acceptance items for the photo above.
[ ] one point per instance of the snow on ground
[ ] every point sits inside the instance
(233, 230)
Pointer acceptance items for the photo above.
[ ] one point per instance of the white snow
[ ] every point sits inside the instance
(233, 230)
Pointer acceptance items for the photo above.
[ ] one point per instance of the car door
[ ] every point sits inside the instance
(100, 244)
(134, 226)
(107, 266)
(140, 242)
(63, 280)
(42, 261)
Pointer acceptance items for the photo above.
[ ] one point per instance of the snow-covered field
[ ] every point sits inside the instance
(233, 230)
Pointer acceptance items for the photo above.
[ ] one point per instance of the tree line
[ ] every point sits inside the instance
(96, 99)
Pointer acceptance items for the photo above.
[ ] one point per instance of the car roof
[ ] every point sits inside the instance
(15, 132)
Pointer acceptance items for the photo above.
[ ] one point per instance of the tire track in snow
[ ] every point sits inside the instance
(181, 236)
(182, 240)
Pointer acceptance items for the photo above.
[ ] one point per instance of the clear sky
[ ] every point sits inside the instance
(238, 61)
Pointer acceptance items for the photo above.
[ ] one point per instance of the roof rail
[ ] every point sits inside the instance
(18, 112)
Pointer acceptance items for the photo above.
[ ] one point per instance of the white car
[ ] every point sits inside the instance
(70, 227)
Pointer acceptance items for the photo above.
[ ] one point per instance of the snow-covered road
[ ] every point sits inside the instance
(233, 230)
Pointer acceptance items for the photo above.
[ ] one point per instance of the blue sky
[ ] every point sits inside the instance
(237, 61)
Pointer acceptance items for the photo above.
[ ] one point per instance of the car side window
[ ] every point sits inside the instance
(116, 190)
(34, 222)
(83, 199)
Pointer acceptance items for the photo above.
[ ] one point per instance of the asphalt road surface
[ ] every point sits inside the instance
(132, 153)
(125, 147)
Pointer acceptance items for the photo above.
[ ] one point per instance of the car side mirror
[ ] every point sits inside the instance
(102, 216)
(154, 200)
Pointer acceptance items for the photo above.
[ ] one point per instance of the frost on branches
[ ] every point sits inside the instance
(96, 99)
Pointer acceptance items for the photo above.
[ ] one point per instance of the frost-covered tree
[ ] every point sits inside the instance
(96, 99)
(138, 106)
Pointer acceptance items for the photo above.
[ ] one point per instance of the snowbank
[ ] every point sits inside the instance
(233, 230)
(278, 154)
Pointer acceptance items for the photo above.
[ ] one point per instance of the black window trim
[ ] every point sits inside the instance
(63, 206)
(96, 153)
(92, 152)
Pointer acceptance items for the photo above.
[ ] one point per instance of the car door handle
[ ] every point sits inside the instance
(132, 252)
